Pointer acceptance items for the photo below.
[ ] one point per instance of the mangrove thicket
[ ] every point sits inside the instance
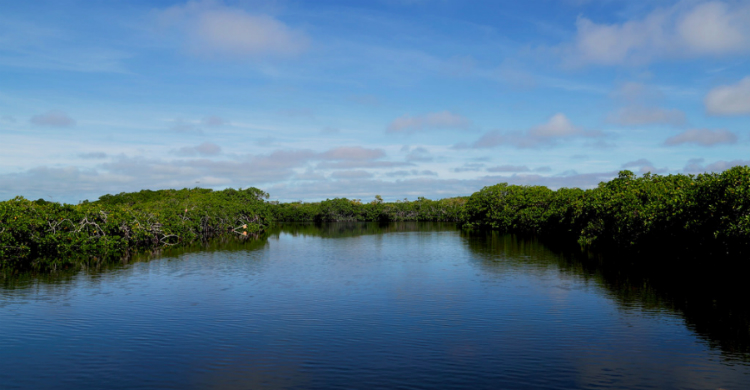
(697, 215)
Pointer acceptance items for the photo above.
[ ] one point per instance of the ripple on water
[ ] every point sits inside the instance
(419, 309)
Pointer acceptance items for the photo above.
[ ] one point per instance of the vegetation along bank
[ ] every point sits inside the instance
(707, 214)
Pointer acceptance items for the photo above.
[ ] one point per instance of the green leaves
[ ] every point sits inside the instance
(342, 209)
(118, 223)
(710, 211)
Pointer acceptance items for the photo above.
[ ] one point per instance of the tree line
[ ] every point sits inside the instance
(706, 215)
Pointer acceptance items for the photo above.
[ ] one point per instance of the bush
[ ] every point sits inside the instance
(118, 223)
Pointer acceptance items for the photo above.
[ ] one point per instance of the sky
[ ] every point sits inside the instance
(309, 100)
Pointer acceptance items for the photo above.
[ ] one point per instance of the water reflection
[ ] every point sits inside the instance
(307, 306)
(13, 278)
(713, 305)
(354, 229)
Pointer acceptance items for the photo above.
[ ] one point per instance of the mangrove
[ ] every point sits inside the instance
(679, 215)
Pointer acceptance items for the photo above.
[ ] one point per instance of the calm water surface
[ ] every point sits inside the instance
(364, 306)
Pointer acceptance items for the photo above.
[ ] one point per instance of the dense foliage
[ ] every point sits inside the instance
(118, 223)
(707, 214)
(342, 210)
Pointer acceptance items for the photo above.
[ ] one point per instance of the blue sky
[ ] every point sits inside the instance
(403, 98)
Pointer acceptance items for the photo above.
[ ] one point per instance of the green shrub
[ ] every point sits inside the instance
(118, 223)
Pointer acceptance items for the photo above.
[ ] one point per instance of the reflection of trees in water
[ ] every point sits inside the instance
(354, 229)
(713, 303)
(14, 278)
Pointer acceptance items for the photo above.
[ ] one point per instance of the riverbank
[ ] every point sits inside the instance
(676, 216)
(46, 232)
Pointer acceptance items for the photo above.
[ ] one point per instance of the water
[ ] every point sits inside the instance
(366, 306)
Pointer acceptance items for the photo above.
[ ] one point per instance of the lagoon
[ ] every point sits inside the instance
(367, 305)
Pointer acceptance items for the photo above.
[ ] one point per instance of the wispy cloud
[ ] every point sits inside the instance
(558, 127)
(711, 28)
(640, 107)
(419, 154)
(93, 155)
(204, 149)
(696, 165)
(517, 169)
(297, 113)
(644, 166)
(185, 127)
(213, 121)
(40, 45)
(356, 153)
(210, 29)
(635, 115)
(53, 119)
(431, 121)
(729, 99)
(413, 172)
(469, 167)
(702, 137)
(351, 175)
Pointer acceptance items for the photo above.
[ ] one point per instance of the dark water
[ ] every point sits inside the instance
(369, 306)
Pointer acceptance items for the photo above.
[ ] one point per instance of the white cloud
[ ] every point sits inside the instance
(695, 165)
(357, 153)
(633, 92)
(640, 107)
(429, 187)
(133, 173)
(469, 167)
(328, 130)
(351, 164)
(687, 29)
(413, 172)
(729, 99)
(204, 149)
(556, 128)
(419, 154)
(515, 75)
(721, 165)
(641, 115)
(211, 29)
(715, 28)
(274, 173)
(185, 127)
(54, 119)
(265, 141)
(93, 155)
(214, 120)
(309, 175)
(703, 137)
(435, 120)
(351, 175)
(644, 166)
(509, 168)
(297, 113)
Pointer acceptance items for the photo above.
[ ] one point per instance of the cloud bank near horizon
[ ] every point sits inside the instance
(315, 100)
